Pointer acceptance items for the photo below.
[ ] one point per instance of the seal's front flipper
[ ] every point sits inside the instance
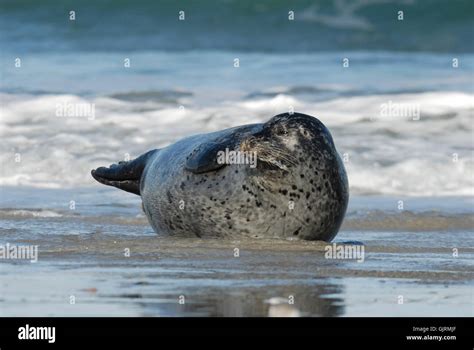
(211, 154)
(205, 158)
(124, 175)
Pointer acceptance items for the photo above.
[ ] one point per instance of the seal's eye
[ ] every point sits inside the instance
(281, 131)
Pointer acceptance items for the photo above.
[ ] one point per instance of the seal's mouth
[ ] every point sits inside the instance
(270, 155)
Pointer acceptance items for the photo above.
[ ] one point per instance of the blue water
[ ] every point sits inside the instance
(318, 76)
(237, 25)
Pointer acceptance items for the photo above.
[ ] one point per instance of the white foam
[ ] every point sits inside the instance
(30, 213)
(388, 155)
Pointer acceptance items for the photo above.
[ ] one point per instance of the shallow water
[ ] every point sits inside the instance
(82, 253)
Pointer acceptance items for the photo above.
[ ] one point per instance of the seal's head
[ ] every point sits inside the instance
(287, 140)
(299, 168)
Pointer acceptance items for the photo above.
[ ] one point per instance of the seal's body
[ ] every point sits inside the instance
(205, 185)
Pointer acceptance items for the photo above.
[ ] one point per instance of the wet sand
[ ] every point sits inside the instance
(83, 257)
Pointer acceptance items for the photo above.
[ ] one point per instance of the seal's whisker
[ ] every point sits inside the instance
(278, 154)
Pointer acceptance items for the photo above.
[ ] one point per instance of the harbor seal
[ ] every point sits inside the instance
(279, 179)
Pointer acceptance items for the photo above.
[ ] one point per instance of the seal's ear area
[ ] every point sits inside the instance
(205, 157)
(124, 175)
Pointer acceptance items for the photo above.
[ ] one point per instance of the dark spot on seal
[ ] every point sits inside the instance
(297, 231)
(294, 187)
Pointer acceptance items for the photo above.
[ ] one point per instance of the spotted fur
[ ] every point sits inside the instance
(298, 189)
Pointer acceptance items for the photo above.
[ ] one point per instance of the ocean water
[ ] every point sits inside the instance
(238, 25)
(127, 77)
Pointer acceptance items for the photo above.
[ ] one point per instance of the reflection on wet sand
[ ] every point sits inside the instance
(273, 301)
(166, 276)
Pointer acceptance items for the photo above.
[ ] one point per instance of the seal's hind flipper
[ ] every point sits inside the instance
(124, 175)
